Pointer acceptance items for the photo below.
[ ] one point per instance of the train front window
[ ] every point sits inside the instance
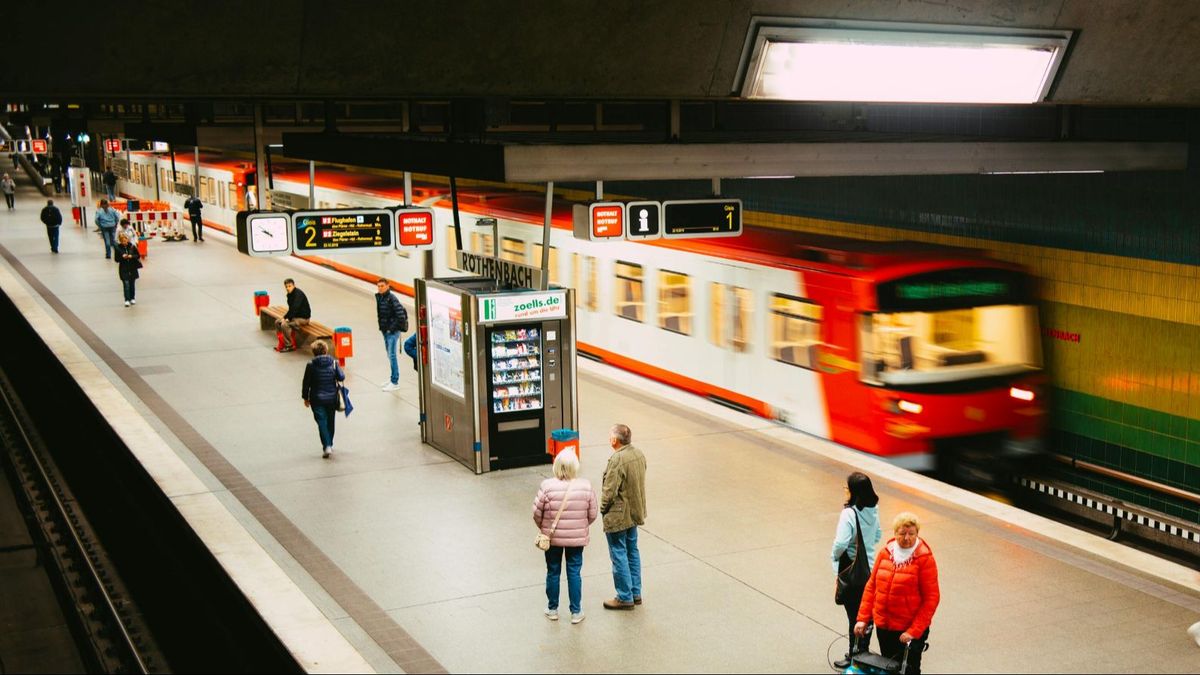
(908, 348)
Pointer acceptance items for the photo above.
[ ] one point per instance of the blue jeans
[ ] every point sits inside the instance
(325, 416)
(129, 289)
(389, 343)
(554, 558)
(626, 562)
(52, 235)
(110, 240)
(112, 192)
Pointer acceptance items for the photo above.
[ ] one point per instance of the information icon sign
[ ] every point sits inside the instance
(643, 220)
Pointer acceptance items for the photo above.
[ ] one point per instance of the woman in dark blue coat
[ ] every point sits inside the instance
(128, 262)
(319, 391)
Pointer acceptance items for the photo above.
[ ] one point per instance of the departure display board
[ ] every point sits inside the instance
(954, 289)
(694, 218)
(343, 230)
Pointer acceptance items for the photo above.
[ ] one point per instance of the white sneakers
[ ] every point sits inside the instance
(1194, 631)
(552, 614)
(390, 387)
(126, 303)
(326, 452)
(133, 302)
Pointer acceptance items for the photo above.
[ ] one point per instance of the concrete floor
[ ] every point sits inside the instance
(735, 549)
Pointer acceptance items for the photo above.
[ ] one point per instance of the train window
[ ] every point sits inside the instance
(451, 248)
(583, 272)
(630, 303)
(537, 262)
(716, 314)
(743, 313)
(221, 193)
(233, 197)
(674, 302)
(481, 244)
(513, 250)
(943, 346)
(795, 330)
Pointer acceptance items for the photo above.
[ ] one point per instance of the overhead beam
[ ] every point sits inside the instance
(541, 163)
(707, 161)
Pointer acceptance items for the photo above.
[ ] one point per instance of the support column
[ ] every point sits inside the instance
(260, 168)
(312, 184)
(546, 234)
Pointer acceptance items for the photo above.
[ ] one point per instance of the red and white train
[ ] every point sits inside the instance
(900, 349)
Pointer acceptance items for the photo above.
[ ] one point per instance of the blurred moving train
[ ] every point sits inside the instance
(912, 351)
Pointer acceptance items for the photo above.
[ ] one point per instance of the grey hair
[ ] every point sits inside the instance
(566, 465)
(622, 433)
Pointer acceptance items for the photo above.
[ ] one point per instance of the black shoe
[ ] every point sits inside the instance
(842, 664)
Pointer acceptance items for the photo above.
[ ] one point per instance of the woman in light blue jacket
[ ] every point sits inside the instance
(860, 511)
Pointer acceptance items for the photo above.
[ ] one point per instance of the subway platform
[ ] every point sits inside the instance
(392, 557)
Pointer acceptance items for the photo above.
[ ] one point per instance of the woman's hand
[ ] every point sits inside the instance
(860, 629)
(305, 403)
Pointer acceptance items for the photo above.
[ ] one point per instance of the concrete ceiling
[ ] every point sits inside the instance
(1125, 52)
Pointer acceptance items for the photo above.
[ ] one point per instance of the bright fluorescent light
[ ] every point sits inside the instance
(870, 61)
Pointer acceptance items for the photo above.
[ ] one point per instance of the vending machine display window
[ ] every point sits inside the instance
(516, 372)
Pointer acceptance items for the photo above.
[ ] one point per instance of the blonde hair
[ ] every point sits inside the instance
(904, 519)
(566, 465)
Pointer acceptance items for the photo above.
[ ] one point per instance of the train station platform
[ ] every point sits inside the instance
(391, 556)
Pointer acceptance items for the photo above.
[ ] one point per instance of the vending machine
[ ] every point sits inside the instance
(497, 370)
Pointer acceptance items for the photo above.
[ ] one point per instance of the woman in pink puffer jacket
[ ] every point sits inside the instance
(570, 535)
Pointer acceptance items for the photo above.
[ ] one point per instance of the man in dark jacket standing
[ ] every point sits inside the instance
(193, 206)
(393, 320)
(110, 183)
(52, 219)
(297, 315)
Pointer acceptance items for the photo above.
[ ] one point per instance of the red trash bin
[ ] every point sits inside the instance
(343, 344)
(261, 299)
(75, 213)
(562, 439)
(144, 247)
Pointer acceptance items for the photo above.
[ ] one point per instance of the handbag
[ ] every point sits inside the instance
(852, 574)
(542, 540)
(338, 397)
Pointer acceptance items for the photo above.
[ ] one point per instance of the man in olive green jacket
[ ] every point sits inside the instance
(623, 503)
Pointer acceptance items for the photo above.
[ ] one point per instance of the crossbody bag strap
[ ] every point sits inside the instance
(561, 507)
(860, 544)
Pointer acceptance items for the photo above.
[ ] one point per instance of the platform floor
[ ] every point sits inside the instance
(423, 565)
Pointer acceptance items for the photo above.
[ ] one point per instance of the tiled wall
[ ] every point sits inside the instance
(1118, 259)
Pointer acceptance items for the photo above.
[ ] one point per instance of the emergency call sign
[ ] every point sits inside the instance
(599, 221)
(414, 228)
(39, 146)
(113, 145)
(343, 230)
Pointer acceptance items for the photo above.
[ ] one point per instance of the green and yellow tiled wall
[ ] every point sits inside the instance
(1118, 263)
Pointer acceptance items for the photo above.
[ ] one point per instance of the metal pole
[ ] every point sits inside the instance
(454, 206)
(599, 190)
(270, 170)
(196, 185)
(546, 235)
(407, 188)
(716, 187)
(259, 168)
(174, 171)
(312, 184)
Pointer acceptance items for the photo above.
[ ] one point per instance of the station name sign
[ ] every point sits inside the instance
(644, 220)
(283, 232)
(504, 271)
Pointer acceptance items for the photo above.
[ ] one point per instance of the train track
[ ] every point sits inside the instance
(109, 631)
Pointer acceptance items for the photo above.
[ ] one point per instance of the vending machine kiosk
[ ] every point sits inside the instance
(497, 370)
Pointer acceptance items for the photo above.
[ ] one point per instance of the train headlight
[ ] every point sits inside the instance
(899, 405)
(1021, 394)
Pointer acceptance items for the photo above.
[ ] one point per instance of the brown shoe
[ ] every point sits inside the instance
(637, 599)
(617, 604)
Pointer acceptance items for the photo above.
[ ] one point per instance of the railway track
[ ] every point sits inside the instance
(109, 630)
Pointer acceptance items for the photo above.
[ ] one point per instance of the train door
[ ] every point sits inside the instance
(731, 324)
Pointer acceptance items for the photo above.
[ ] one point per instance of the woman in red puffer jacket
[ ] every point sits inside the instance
(902, 594)
(570, 535)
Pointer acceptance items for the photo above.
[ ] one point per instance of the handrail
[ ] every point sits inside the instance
(1130, 478)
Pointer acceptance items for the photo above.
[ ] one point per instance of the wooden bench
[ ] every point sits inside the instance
(310, 331)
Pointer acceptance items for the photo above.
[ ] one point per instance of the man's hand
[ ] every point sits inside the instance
(305, 403)
(905, 638)
(860, 628)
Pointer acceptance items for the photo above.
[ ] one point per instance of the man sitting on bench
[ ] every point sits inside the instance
(298, 314)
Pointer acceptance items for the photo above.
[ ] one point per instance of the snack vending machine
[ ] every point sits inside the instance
(498, 370)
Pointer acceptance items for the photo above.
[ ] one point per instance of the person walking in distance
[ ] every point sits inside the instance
(860, 516)
(193, 206)
(393, 321)
(128, 262)
(9, 188)
(564, 509)
(623, 503)
(110, 183)
(298, 314)
(320, 394)
(107, 219)
(52, 219)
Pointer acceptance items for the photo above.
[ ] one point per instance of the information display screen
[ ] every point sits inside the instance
(343, 230)
(689, 219)
(954, 289)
